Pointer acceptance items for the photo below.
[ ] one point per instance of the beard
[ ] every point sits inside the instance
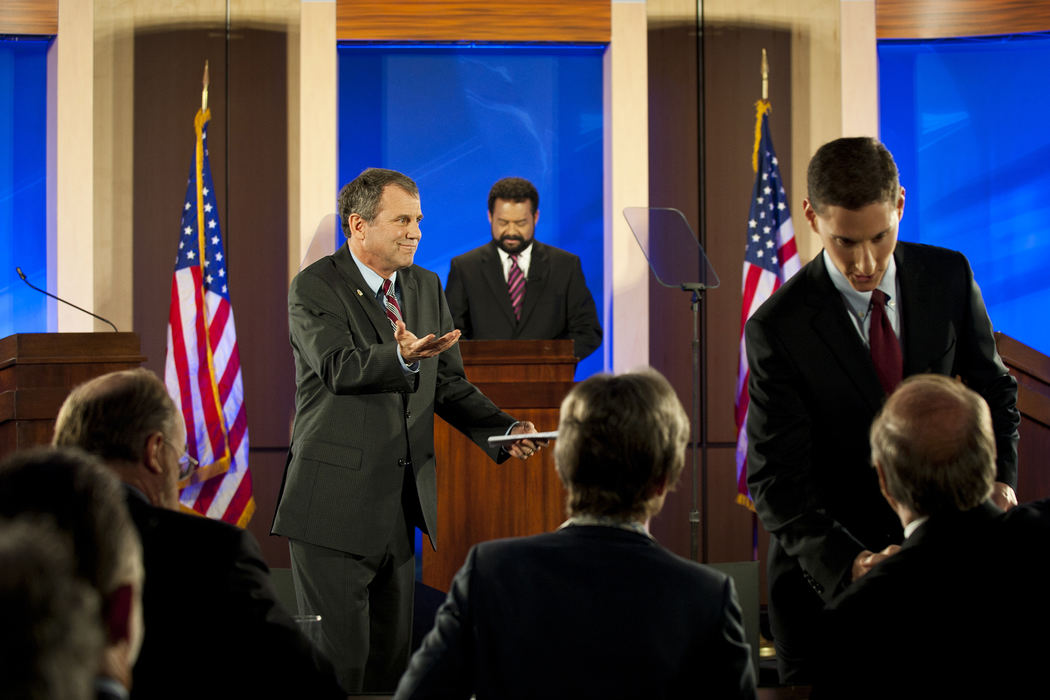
(517, 244)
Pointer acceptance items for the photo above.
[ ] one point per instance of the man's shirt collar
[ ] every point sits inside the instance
(524, 257)
(859, 302)
(372, 278)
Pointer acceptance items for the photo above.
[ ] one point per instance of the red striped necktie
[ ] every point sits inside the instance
(885, 348)
(390, 305)
(515, 286)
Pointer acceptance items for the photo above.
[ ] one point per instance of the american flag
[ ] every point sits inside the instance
(203, 368)
(771, 258)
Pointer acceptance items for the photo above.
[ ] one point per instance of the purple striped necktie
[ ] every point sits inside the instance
(515, 286)
(885, 348)
(390, 305)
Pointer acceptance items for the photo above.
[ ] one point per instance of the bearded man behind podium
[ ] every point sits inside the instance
(214, 627)
(598, 608)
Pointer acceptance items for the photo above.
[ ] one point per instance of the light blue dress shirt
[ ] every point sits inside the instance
(859, 303)
(375, 283)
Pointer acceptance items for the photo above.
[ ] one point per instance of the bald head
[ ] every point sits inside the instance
(934, 445)
(128, 420)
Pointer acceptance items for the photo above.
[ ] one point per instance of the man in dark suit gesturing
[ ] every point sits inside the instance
(823, 352)
(596, 609)
(375, 359)
(514, 287)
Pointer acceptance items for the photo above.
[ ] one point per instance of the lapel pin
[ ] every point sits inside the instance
(360, 293)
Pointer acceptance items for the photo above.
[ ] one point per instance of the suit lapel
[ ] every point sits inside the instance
(411, 309)
(539, 271)
(917, 334)
(492, 271)
(832, 325)
(360, 292)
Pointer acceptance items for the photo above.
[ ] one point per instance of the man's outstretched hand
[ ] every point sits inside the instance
(414, 349)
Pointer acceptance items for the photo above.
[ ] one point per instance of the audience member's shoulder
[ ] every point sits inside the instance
(1028, 525)
(1034, 513)
(161, 522)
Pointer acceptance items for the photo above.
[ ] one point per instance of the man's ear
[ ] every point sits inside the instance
(659, 489)
(355, 224)
(811, 215)
(536, 217)
(152, 459)
(882, 486)
(900, 205)
(117, 613)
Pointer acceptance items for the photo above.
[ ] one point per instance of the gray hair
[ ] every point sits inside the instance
(619, 439)
(112, 416)
(362, 195)
(53, 637)
(85, 500)
(934, 442)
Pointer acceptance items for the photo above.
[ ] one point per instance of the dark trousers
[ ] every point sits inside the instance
(794, 615)
(365, 604)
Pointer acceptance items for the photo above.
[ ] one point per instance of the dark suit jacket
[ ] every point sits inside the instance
(359, 419)
(941, 618)
(814, 394)
(213, 626)
(557, 302)
(584, 612)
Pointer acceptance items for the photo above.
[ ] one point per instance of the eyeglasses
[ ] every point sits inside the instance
(187, 464)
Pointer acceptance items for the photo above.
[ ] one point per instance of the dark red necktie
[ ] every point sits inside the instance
(515, 286)
(390, 305)
(885, 348)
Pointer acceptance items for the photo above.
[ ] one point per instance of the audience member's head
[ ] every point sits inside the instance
(933, 447)
(852, 173)
(621, 445)
(85, 502)
(128, 420)
(52, 637)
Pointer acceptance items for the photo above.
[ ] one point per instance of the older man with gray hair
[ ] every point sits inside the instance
(932, 620)
(208, 594)
(596, 609)
(69, 491)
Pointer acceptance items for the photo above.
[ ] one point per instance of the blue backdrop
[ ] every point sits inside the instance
(23, 193)
(458, 118)
(966, 122)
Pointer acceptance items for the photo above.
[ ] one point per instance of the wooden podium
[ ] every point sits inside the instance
(479, 500)
(37, 371)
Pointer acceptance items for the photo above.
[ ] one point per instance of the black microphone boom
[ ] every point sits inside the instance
(43, 291)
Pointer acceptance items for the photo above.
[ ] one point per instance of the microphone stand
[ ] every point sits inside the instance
(44, 291)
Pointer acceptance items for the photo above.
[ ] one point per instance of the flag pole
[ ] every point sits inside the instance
(761, 108)
(765, 77)
(205, 82)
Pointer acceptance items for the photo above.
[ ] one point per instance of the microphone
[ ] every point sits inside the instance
(42, 291)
